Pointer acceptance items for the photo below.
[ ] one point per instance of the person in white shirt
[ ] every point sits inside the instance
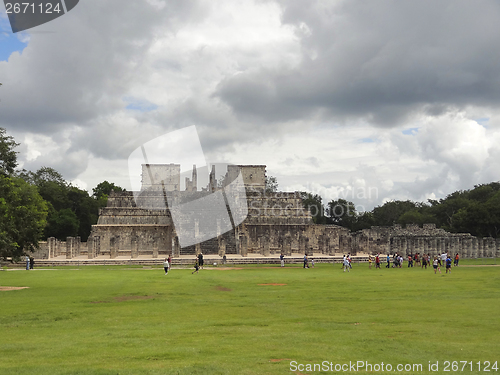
(165, 265)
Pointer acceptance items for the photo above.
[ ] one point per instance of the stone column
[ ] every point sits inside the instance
(243, 245)
(321, 244)
(77, 245)
(69, 247)
(302, 245)
(491, 247)
(265, 246)
(329, 246)
(134, 247)
(439, 249)
(113, 247)
(97, 245)
(433, 248)
(177, 247)
(222, 246)
(473, 248)
(51, 243)
(404, 244)
(168, 241)
(468, 246)
(90, 248)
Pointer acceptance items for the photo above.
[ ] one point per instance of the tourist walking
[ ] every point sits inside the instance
(448, 265)
(346, 265)
(424, 261)
(443, 259)
(410, 261)
(200, 260)
(169, 262)
(32, 263)
(196, 266)
(306, 262)
(388, 261)
(165, 265)
(27, 263)
(349, 259)
(435, 264)
(377, 261)
(282, 260)
(369, 262)
(457, 258)
(417, 259)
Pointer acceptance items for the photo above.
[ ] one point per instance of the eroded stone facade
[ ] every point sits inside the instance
(134, 226)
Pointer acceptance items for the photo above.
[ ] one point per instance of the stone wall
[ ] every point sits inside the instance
(140, 224)
(426, 240)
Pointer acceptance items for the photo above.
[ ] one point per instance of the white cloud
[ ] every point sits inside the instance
(335, 97)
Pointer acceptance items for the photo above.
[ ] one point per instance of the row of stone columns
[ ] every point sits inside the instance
(466, 246)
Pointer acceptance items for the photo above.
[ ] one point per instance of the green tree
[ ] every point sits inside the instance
(314, 204)
(85, 208)
(271, 184)
(364, 220)
(343, 213)
(389, 213)
(416, 216)
(8, 157)
(104, 189)
(23, 215)
(62, 224)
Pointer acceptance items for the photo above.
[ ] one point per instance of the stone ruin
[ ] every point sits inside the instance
(276, 223)
(425, 240)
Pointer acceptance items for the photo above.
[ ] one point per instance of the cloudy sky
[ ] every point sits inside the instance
(365, 100)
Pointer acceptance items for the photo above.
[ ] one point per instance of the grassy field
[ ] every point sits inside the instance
(123, 320)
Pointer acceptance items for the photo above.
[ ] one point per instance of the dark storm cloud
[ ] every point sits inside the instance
(84, 68)
(379, 60)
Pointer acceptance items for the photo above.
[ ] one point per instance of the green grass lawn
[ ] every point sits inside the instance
(123, 320)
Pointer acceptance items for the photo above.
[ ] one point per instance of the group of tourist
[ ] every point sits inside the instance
(198, 263)
(346, 263)
(30, 262)
(397, 261)
(418, 260)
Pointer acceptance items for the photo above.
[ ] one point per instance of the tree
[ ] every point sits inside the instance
(62, 224)
(313, 203)
(271, 184)
(104, 189)
(8, 157)
(343, 213)
(23, 215)
(390, 212)
(85, 208)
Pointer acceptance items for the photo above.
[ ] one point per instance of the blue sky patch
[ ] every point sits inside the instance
(366, 140)
(9, 44)
(410, 131)
(483, 121)
(141, 105)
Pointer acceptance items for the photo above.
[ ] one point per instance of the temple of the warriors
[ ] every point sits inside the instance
(142, 224)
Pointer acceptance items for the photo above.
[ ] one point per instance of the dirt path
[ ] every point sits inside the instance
(6, 288)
